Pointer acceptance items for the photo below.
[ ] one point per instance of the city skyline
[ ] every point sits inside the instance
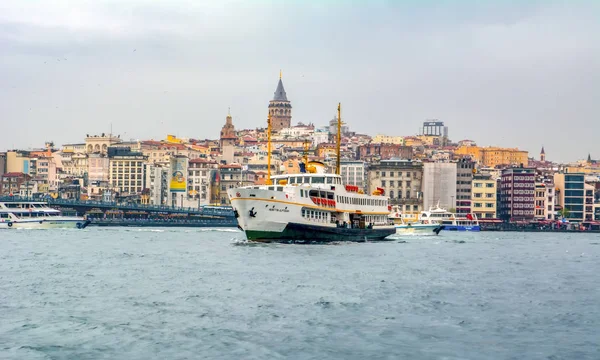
(499, 74)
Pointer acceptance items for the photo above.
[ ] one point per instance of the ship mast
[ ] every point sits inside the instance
(269, 150)
(305, 155)
(339, 138)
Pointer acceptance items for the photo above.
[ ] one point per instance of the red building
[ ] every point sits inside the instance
(517, 194)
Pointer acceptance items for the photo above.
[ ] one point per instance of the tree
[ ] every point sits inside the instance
(564, 212)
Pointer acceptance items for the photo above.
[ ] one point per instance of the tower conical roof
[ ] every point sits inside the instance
(543, 151)
(280, 92)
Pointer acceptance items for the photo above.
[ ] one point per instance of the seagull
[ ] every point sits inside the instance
(134, 50)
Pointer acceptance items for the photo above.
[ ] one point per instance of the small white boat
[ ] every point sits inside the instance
(412, 227)
(450, 221)
(24, 214)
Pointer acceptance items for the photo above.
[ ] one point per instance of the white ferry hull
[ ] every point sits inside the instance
(421, 229)
(50, 223)
(275, 218)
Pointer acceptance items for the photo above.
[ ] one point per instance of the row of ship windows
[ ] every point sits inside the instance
(28, 214)
(358, 201)
(314, 215)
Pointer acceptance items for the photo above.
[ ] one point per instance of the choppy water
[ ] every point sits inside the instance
(193, 294)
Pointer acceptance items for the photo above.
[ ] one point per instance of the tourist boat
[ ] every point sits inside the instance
(404, 226)
(310, 206)
(16, 214)
(450, 221)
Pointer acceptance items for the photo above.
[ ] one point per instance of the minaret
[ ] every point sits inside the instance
(542, 154)
(280, 108)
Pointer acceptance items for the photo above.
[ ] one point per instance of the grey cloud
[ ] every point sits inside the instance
(507, 74)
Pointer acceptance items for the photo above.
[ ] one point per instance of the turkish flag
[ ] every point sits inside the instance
(469, 216)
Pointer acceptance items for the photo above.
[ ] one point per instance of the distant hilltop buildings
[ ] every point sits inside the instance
(416, 171)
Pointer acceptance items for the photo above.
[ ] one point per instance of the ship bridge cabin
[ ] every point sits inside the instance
(314, 179)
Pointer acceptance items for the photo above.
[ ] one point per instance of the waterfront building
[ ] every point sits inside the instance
(12, 182)
(326, 149)
(2, 163)
(321, 135)
(570, 193)
(388, 139)
(401, 181)
(47, 174)
(495, 156)
(74, 162)
(280, 109)
(333, 125)
(413, 142)
(199, 172)
(353, 173)
(483, 197)
(434, 133)
(590, 195)
(517, 194)
(290, 166)
(101, 143)
(156, 183)
(383, 151)
(18, 161)
(544, 201)
(439, 185)
(297, 131)
(464, 178)
(126, 170)
(230, 176)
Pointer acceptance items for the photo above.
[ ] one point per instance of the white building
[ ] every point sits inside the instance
(439, 185)
(156, 182)
(353, 173)
(198, 184)
(126, 170)
(544, 201)
(320, 136)
(298, 131)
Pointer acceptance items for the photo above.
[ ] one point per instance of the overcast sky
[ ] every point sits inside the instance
(505, 73)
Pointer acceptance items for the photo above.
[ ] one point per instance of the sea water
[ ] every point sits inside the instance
(123, 293)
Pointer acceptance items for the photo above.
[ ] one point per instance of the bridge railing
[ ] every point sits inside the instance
(125, 206)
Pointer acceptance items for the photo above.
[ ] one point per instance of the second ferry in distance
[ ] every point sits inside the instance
(310, 206)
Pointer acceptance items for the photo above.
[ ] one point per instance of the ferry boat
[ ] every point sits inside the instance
(15, 214)
(450, 221)
(310, 206)
(404, 226)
